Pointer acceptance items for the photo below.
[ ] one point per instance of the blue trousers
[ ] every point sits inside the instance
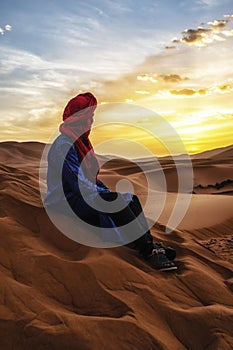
(130, 213)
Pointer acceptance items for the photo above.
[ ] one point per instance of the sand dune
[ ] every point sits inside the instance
(58, 294)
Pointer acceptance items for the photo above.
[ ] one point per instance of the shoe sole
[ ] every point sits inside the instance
(171, 268)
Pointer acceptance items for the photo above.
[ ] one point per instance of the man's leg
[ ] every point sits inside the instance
(131, 213)
(145, 242)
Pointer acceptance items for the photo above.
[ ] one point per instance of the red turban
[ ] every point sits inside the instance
(78, 118)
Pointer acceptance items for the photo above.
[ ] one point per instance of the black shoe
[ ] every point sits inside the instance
(159, 260)
(169, 251)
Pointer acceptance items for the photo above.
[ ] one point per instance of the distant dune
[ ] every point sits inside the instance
(58, 294)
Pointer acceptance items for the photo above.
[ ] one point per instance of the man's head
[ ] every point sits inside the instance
(79, 103)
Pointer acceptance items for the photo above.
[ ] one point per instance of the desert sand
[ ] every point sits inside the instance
(58, 294)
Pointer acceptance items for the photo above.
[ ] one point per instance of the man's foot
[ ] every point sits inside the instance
(159, 260)
(169, 251)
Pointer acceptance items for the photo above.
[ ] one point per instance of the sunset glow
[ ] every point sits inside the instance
(179, 68)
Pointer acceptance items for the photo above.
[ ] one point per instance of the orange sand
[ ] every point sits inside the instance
(58, 294)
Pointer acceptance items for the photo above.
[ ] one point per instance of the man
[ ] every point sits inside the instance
(87, 195)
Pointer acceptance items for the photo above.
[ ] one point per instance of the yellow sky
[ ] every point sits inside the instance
(189, 86)
(202, 120)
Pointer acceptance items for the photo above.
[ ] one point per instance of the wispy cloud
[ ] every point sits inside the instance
(208, 3)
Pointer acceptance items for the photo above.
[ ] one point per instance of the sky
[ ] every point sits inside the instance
(171, 60)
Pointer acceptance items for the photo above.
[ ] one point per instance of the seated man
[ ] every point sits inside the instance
(86, 193)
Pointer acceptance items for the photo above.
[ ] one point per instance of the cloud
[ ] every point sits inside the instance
(172, 78)
(7, 27)
(229, 17)
(41, 84)
(142, 92)
(170, 47)
(38, 88)
(218, 24)
(207, 2)
(199, 36)
(175, 40)
(147, 77)
(223, 89)
(168, 78)
(189, 92)
(217, 30)
(118, 7)
(187, 73)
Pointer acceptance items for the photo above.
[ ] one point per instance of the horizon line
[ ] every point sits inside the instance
(118, 155)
